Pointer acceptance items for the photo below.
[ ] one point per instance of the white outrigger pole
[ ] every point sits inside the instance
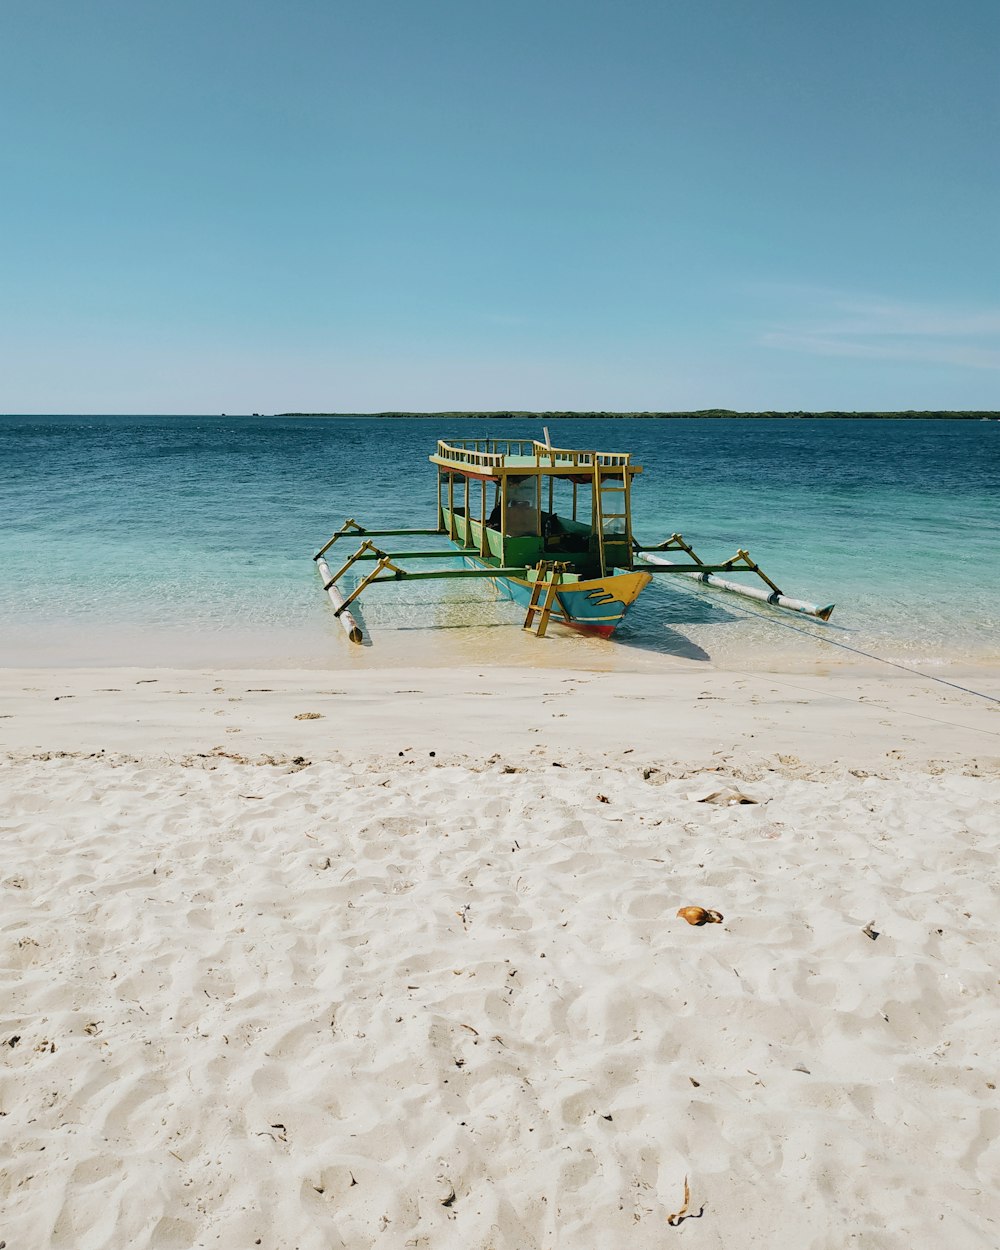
(741, 560)
(351, 627)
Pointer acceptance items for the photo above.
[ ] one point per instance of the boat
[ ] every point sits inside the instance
(550, 527)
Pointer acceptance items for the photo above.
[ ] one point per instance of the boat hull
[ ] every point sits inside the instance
(596, 606)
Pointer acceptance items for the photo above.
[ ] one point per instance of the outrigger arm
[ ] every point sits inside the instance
(707, 573)
(386, 570)
(351, 528)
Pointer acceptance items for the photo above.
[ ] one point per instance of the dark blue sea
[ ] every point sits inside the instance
(188, 540)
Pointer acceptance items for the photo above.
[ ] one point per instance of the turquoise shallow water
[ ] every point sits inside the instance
(188, 540)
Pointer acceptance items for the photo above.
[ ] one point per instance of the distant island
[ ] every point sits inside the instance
(908, 415)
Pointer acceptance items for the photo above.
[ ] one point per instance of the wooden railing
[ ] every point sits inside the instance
(489, 453)
(560, 455)
(473, 455)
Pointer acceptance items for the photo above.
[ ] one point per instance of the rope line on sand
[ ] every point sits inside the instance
(845, 646)
(774, 680)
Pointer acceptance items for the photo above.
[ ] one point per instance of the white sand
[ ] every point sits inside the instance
(274, 984)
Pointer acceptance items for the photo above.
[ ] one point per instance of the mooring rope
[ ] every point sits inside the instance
(868, 655)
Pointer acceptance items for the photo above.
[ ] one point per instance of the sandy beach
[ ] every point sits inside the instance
(312, 959)
(624, 876)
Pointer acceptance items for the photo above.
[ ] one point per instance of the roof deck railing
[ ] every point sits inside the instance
(491, 453)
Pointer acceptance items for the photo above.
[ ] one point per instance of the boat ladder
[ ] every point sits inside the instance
(549, 576)
(602, 488)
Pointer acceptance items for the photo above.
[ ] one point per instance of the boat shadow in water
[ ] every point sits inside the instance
(656, 622)
(664, 641)
(654, 625)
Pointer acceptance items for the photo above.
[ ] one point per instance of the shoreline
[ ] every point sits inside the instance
(488, 633)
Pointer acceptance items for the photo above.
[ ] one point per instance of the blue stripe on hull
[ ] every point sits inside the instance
(579, 608)
(582, 609)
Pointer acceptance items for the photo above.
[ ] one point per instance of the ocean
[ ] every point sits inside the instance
(128, 540)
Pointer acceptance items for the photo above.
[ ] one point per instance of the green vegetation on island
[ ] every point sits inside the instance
(908, 415)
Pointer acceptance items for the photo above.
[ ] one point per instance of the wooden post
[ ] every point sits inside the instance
(349, 526)
(367, 545)
(440, 503)
(503, 518)
(597, 513)
(627, 483)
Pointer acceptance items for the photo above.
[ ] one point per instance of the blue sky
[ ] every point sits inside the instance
(433, 204)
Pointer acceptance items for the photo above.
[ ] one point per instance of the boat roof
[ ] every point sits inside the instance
(499, 457)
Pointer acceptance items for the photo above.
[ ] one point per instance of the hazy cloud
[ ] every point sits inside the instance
(830, 323)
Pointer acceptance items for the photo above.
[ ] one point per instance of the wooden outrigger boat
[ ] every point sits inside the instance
(551, 527)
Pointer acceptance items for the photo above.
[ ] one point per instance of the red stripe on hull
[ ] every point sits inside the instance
(602, 631)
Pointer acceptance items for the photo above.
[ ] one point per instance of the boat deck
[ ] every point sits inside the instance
(497, 457)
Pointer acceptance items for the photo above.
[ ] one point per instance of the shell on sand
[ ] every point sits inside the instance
(700, 915)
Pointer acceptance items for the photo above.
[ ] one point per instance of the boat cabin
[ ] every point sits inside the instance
(519, 501)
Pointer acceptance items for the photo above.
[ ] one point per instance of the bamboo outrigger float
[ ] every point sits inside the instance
(551, 527)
